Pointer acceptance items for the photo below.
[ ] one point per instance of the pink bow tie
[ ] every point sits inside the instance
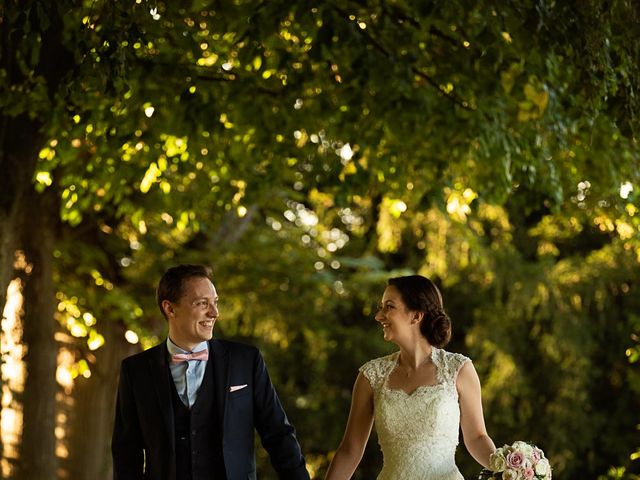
(185, 357)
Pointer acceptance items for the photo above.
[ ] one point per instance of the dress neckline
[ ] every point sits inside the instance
(395, 358)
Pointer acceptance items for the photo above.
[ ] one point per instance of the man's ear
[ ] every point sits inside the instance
(167, 308)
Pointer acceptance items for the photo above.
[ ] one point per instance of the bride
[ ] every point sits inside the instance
(419, 396)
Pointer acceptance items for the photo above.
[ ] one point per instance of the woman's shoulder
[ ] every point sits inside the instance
(452, 362)
(453, 356)
(377, 368)
(382, 361)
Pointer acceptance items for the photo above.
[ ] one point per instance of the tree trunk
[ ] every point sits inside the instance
(28, 222)
(19, 142)
(19, 146)
(37, 236)
(93, 407)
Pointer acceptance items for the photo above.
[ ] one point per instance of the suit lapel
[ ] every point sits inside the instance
(221, 377)
(163, 385)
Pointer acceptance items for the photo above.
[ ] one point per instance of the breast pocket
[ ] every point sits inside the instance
(239, 413)
(243, 392)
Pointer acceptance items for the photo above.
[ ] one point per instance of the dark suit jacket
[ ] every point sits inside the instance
(143, 435)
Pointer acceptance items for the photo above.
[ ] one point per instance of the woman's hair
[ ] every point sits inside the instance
(420, 294)
(171, 286)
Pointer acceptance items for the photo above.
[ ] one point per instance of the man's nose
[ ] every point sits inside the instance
(213, 310)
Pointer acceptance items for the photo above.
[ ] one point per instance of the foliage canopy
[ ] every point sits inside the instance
(310, 150)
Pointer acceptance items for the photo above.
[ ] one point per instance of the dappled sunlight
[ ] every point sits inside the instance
(273, 332)
(64, 372)
(390, 224)
(13, 376)
(436, 227)
(502, 377)
(316, 465)
(65, 405)
(459, 202)
(625, 190)
(557, 227)
(131, 337)
(312, 232)
(76, 320)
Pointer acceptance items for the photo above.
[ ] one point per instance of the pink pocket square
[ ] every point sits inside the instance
(235, 388)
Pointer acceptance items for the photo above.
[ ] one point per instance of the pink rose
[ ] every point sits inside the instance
(536, 455)
(528, 473)
(515, 460)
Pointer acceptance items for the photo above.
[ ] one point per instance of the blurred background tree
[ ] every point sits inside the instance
(307, 151)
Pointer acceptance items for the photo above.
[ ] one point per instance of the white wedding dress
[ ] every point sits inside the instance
(417, 432)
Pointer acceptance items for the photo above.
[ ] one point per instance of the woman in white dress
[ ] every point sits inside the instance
(419, 396)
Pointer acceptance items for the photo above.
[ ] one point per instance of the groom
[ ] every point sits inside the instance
(187, 408)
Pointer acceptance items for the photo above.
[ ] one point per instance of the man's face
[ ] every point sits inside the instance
(192, 317)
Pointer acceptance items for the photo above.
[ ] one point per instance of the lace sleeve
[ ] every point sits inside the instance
(453, 362)
(376, 371)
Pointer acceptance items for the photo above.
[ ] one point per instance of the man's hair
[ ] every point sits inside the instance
(171, 285)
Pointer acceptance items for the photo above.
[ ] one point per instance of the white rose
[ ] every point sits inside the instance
(523, 447)
(543, 468)
(497, 462)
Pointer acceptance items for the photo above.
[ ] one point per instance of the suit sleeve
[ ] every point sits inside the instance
(127, 447)
(277, 434)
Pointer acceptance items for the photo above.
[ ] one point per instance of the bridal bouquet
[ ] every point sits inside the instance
(520, 461)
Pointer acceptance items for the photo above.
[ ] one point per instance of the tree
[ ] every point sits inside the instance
(167, 131)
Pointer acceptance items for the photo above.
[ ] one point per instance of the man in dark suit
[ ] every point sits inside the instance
(187, 408)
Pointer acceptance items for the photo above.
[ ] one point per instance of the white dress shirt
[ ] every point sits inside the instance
(187, 376)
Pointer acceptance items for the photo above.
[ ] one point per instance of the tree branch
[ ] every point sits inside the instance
(431, 81)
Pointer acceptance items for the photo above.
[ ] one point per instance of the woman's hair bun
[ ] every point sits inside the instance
(436, 326)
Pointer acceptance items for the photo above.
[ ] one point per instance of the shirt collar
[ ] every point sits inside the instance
(173, 348)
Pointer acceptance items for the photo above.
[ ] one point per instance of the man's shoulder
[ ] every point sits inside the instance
(145, 354)
(236, 347)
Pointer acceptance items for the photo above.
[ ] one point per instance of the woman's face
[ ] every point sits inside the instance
(394, 316)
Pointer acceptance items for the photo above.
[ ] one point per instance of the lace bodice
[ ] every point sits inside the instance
(417, 432)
